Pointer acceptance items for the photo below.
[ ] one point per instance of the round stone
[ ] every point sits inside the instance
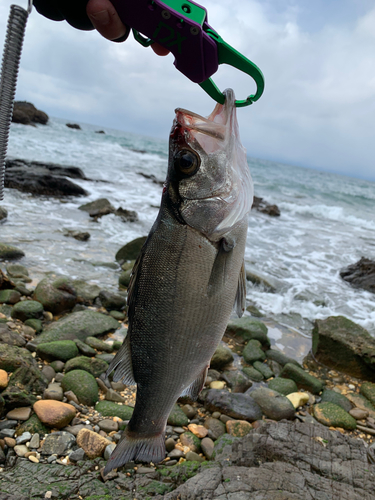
(54, 413)
(198, 430)
(4, 379)
(298, 398)
(92, 443)
(238, 428)
(358, 414)
(330, 414)
(84, 386)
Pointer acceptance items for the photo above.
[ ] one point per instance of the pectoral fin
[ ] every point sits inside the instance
(122, 364)
(218, 272)
(240, 300)
(193, 390)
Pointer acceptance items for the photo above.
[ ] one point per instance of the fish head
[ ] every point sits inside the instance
(208, 175)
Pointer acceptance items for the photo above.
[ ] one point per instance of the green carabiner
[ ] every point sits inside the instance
(229, 55)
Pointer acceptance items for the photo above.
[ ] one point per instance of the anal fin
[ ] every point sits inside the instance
(122, 364)
(193, 390)
(240, 300)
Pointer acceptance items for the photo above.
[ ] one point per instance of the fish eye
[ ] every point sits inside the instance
(187, 162)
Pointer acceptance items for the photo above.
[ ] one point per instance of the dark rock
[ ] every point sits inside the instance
(27, 309)
(58, 366)
(94, 366)
(248, 329)
(36, 324)
(302, 378)
(236, 380)
(99, 132)
(43, 178)
(77, 235)
(368, 391)
(361, 274)
(8, 252)
(59, 350)
(124, 278)
(256, 277)
(344, 346)
(16, 270)
(273, 404)
(74, 126)
(9, 296)
(263, 206)
(3, 213)
(237, 406)
(280, 358)
(86, 292)
(190, 440)
(58, 443)
(13, 357)
(98, 344)
(24, 383)
(131, 250)
(221, 357)
(56, 296)
(33, 425)
(284, 386)
(112, 301)
(177, 417)
(85, 349)
(253, 352)
(78, 325)
(10, 337)
(84, 386)
(26, 113)
(49, 372)
(252, 373)
(336, 398)
(98, 208)
(215, 427)
(127, 215)
(264, 369)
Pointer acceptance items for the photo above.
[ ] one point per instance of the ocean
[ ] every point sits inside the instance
(327, 222)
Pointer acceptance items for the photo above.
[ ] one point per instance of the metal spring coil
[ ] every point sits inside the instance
(8, 80)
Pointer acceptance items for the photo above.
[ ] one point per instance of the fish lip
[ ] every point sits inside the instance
(216, 134)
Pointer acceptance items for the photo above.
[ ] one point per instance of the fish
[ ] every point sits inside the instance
(189, 275)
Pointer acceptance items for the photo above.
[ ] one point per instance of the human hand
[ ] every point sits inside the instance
(105, 19)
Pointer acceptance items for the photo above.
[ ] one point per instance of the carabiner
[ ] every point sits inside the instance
(229, 55)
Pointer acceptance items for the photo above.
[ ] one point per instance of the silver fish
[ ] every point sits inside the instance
(188, 276)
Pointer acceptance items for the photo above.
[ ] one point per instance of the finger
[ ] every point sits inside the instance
(159, 49)
(105, 19)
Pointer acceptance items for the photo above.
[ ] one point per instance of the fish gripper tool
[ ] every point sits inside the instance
(181, 26)
(8, 79)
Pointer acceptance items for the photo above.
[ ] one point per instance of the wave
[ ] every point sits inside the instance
(332, 213)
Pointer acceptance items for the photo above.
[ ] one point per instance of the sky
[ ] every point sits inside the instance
(317, 57)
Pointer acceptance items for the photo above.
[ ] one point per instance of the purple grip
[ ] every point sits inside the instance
(195, 52)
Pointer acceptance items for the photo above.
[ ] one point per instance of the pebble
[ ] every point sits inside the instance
(4, 379)
(21, 450)
(33, 459)
(118, 386)
(207, 446)
(217, 384)
(24, 438)
(51, 458)
(169, 463)
(93, 444)
(109, 450)
(238, 428)
(70, 396)
(216, 427)
(198, 430)
(7, 433)
(358, 414)
(58, 443)
(178, 430)
(54, 391)
(8, 424)
(112, 395)
(176, 453)
(108, 425)
(59, 377)
(35, 441)
(216, 414)
(224, 418)
(298, 398)
(191, 456)
(49, 373)
(54, 413)
(77, 455)
(22, 414)
(170, 444)
(189, 411)
(10, 442)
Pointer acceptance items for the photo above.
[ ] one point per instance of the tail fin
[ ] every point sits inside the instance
(142, 449)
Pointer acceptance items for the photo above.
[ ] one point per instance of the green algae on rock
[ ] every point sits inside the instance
(332, 415)
(94, 366)
(130, 250)
(222, 356)
(248, 329)
(368, 391)
(109, 409)
(56, 295)
(282, 385)
(84, 386)
(27, 309)
(253, 352)
(302, 378)
(177, 417)
(336, 398)
(8, 252)
(58, 350)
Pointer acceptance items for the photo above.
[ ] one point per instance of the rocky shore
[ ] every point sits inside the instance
(265, 426)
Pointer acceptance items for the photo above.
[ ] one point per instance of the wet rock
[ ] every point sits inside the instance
(252, 373)
(303, 379)
(34, 441)
(84, 386)
(336, 398)
(77, 235)
(189, 411)
(98, 208)
(127, 215)
(109, 409)
(36, 324)
(21, 450)
(330, 414)
(26, 113)
(254, 311)
(258, 278)
(56, 296)
(9, 252)
(12, 357)
(119, 316)
(263, 206)
(368, 391)
(221, 357)
(86, 292)
(238, 428)
(236, 380)
(94, 366)
(112, 301)
(3, 214)
(78, 325)
(43, 178)
(62, 350)
(344, 346)
(124, 278)
(191, 456)
(23, 438)
(358, 414)
(238, 406)
(253, 352)
(10, 337)
(54, 413)
(264, 369)
(9, 296)
(92, 443)
(53, 391)
(131, 250)
(27, 309)
(58, 443)
(248, 329)
(74, 126)
(177, 417)
(273, 405)
(21, 414)
(105, 357)
(284, 386)
(98, 344)
(361, 274)
(84, 348)
(24, 383)
(190, 440)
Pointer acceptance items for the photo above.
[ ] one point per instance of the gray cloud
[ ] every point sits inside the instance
(317, 110)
